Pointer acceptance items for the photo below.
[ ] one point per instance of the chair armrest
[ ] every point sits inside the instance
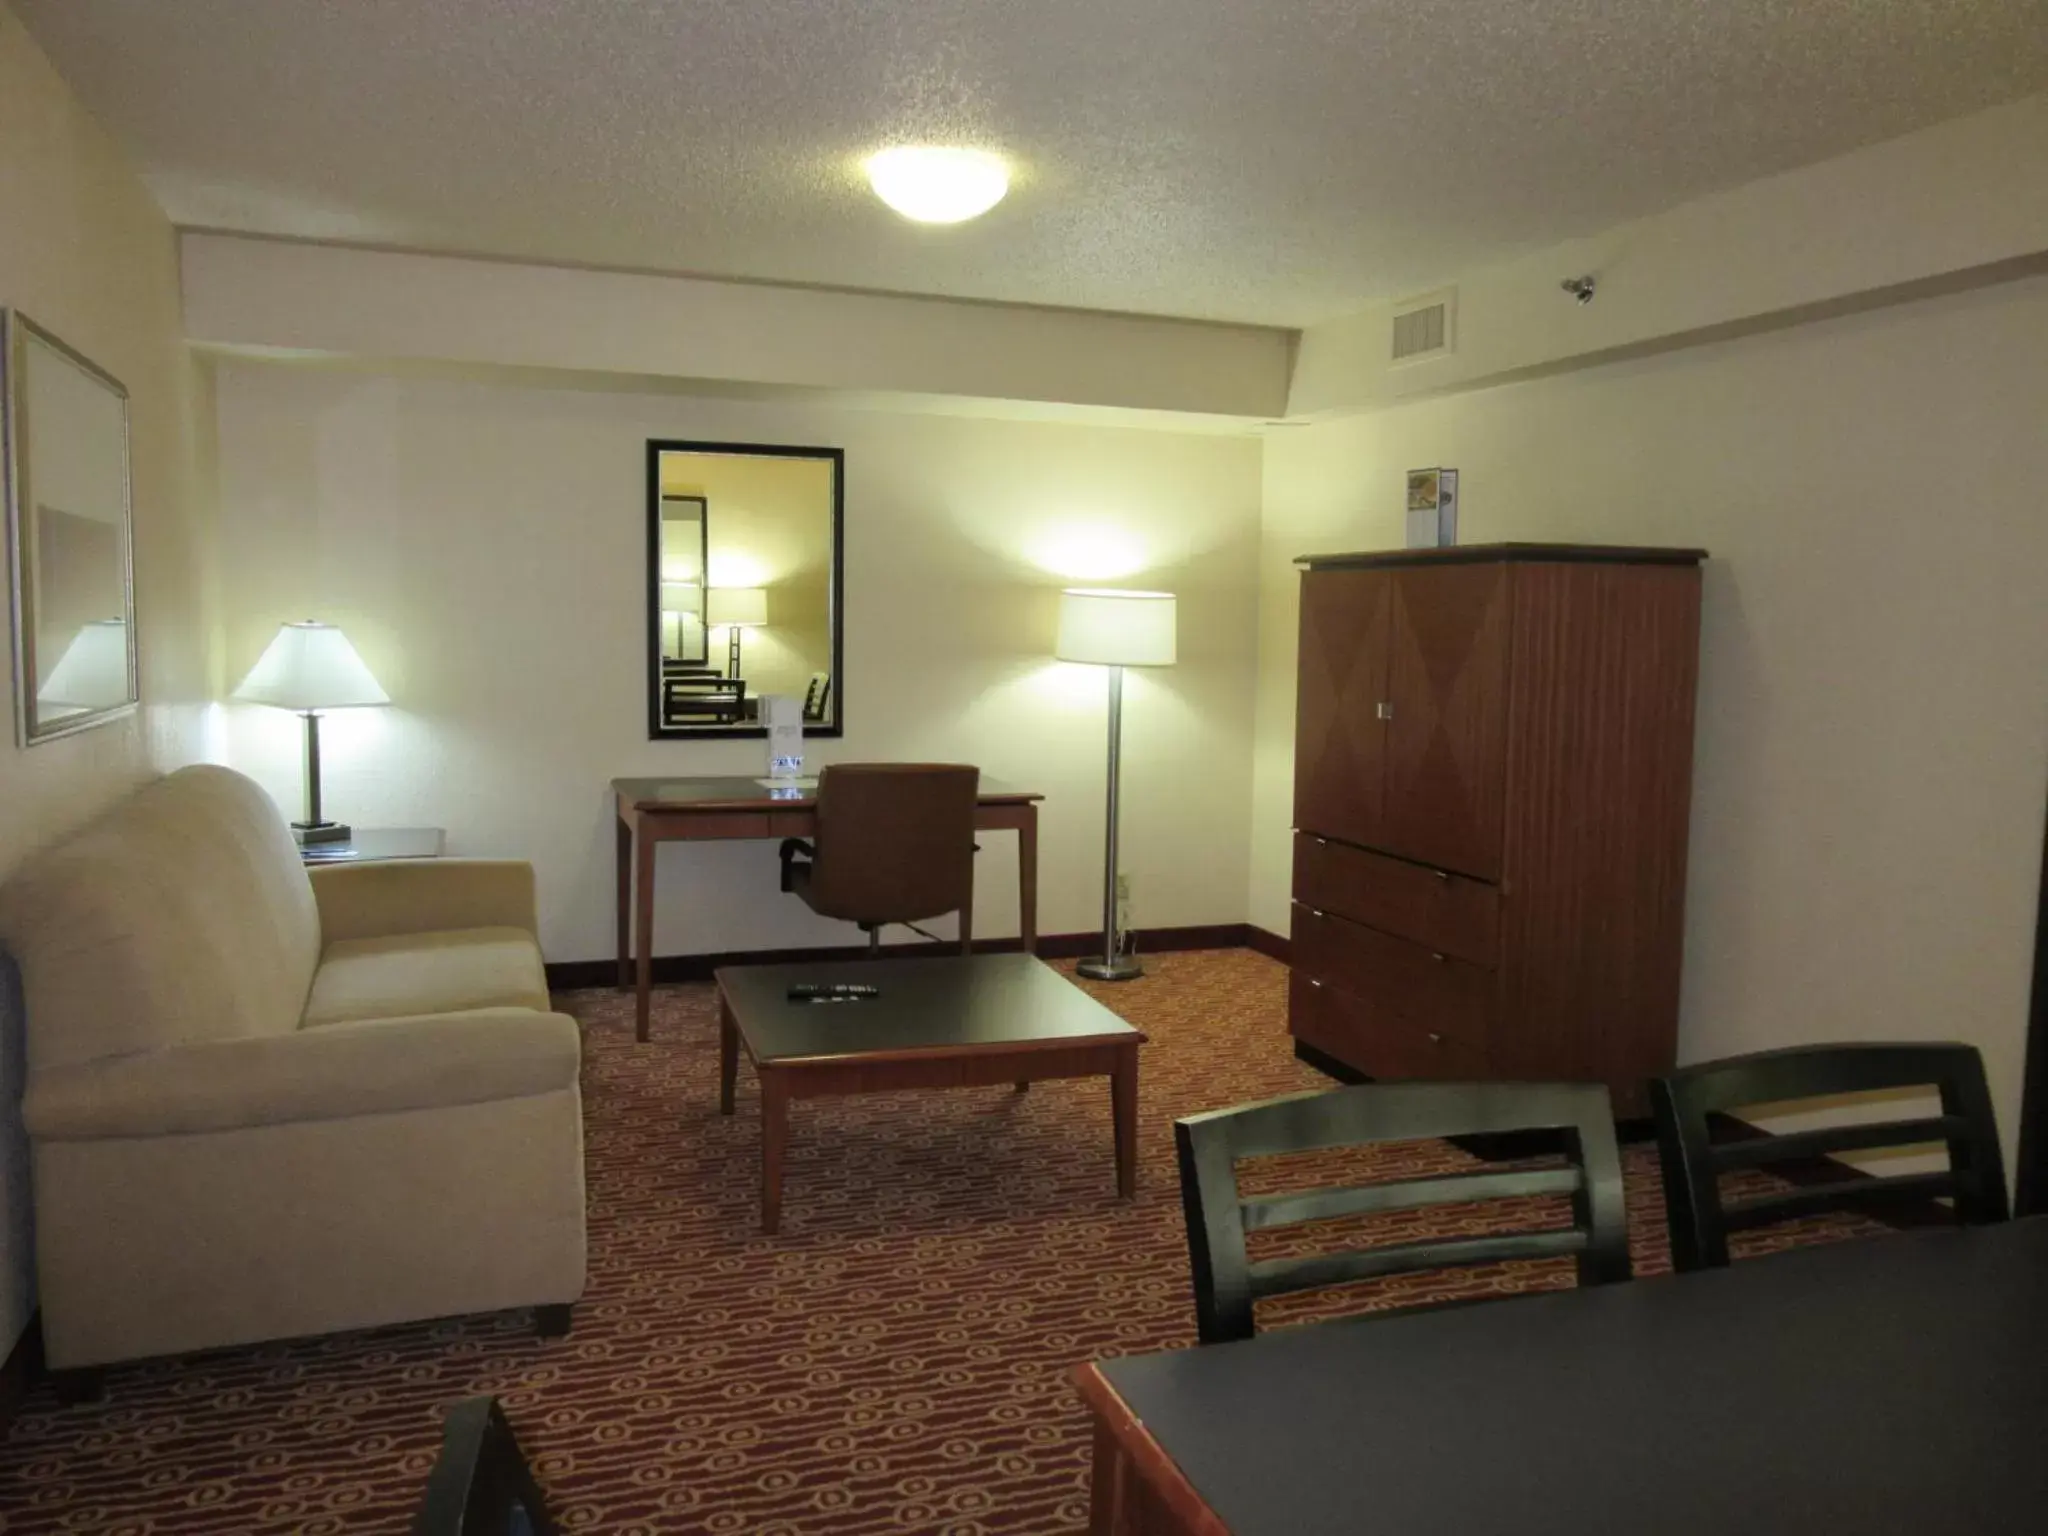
(378, 1066)
(399, 896)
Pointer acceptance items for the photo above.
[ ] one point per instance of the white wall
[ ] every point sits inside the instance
(1873, 722)
(484, 547)
(86, 254)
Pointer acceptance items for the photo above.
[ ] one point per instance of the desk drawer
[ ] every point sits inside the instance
(1402, 1002)
(1374, 1039)
(1435, 909)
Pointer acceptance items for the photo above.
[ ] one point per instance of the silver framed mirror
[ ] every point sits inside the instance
(70, 534)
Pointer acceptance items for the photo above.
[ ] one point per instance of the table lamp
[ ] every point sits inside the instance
(93, 671)
(736, 608)
(308, 668)
(1115, 629)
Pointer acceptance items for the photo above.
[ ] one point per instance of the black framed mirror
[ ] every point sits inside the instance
(745, 561)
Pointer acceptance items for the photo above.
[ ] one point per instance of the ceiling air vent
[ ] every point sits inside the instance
(1424, 327)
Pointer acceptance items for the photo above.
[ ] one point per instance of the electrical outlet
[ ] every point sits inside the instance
(1123, 904)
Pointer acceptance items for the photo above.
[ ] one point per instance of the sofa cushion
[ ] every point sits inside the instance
(427, 973)
(181, 915)
(376, 1067)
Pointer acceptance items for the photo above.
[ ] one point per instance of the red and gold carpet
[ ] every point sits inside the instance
(894, 1362)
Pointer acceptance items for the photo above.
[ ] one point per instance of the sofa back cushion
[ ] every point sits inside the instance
(181, 915)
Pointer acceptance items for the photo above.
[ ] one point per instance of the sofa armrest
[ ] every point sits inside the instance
(379, 1066)
(399, 896)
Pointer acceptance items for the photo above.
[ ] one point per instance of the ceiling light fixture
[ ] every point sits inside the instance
(931, 185)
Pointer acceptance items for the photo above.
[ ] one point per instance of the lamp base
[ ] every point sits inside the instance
(1122, 968)
(322, 832)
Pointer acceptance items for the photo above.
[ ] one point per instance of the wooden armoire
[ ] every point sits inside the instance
(1493, 766)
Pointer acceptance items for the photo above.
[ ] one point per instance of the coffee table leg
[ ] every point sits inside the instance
(774, 1139)
(1123, 1098)
(728, 1055)
(1102, 1489)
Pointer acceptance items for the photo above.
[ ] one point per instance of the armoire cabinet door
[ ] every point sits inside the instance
(1446, 688)
(1340, 739)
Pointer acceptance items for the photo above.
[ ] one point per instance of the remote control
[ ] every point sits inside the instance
(832, 992)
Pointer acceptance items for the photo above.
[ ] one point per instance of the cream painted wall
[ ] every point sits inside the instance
(484, 547)
(1873, 720)
(85, 253)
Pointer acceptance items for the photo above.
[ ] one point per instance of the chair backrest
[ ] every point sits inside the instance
(895, 841)
(481, 1485)
(1687, 1101)
(817, 694)
(1218, 1217)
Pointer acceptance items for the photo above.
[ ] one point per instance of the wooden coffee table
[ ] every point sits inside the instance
(960, 1022)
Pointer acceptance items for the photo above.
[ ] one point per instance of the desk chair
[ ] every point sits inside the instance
(895, 844)
(1686, 1101)
(1227, 1283)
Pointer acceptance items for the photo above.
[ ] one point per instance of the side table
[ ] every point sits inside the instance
(372, 843)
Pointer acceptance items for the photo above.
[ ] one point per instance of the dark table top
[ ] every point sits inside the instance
(979, 1000)
(744, 792)
(1891, 1385)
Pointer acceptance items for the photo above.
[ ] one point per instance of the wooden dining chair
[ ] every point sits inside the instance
(1211, 1145)
(1688, 1102)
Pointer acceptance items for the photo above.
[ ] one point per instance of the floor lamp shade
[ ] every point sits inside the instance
(309, 667)
(1115, 629)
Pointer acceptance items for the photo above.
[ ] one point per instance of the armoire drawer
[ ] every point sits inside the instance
(1374, 1039)
(1432, 988)
(1440, 911)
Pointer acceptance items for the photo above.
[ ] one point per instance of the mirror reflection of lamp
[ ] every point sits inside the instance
(92, 673)
(310, 667)
(737, 608)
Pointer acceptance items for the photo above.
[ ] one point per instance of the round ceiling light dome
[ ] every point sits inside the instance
(932, 185)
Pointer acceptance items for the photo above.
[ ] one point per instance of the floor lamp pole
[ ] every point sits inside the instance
(1112, 966)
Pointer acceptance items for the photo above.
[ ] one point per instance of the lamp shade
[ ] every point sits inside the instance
(682, 597)
(93, 671)
(738, 607)
(311, 666)
(1116, 628)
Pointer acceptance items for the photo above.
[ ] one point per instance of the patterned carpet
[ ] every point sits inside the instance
(894, 1362)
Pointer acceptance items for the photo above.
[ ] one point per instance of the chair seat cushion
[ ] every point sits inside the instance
(417, 973)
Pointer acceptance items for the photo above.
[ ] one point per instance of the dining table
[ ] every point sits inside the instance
(1884, 1386)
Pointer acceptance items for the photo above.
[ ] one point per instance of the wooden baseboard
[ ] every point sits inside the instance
(1268, 943)
(570, 975)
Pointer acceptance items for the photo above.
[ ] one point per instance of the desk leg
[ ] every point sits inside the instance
(1103, 1490)
(623, 859)
(643, 932)
(728, 1055)
(1123, 1098)
(774, 1141)
(1027, 878)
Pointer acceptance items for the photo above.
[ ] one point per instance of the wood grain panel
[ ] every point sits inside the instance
(1599, 759)
(1446, 683)
(1339, 740)
(1394, 978)
(1375, 1040)
(1432, 907)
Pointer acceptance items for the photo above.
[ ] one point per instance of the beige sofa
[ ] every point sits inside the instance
(264, 1105)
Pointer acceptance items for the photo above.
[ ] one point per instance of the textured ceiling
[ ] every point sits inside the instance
(1275, 161)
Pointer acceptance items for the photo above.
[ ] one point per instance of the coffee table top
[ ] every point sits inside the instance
(961, 1002)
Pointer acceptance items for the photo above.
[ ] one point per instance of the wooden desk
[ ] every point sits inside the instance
(656, 811)
(1887, 1387)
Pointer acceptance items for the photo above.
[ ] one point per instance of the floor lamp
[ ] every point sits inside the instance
(1115, 629)
(310, 667)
